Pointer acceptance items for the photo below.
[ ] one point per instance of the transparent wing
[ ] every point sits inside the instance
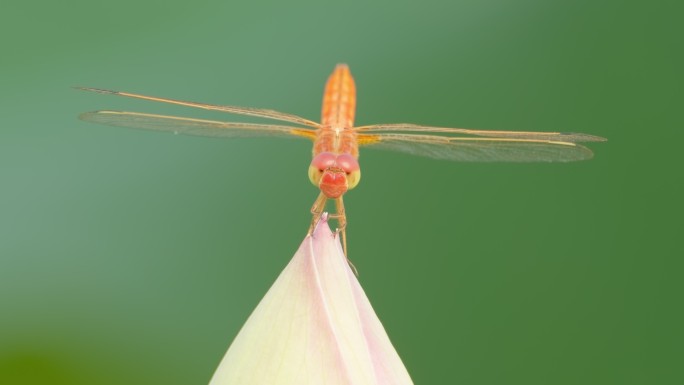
(477, 149)
(191, 126)
(257, 112)
(548, 136)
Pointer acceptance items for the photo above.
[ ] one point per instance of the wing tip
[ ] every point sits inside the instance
(90, 114)
(584, 153)
(97, 90)
(86, 115)
(584, 137)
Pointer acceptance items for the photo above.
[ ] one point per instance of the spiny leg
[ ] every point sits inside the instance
(317, 210)
(341, 222)
(341, 217)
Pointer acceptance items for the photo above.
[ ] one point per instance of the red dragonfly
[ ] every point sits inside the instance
(334, 168)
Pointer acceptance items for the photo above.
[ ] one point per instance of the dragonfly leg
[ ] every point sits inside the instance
(317, 210)
(341, 217)
(341, 222)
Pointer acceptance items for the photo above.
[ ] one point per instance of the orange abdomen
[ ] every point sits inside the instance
(339, 99)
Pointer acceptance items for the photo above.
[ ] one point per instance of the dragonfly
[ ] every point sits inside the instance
(334, 167)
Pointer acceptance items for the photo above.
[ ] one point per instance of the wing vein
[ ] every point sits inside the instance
(553, 136)
(248, 111)
(190, 126)
(470, 149)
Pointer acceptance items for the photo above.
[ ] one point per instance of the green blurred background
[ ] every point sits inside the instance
(131, 257)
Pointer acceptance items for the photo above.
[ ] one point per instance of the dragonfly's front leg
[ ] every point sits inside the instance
(317, 210)
(341, 222)
(341, 217)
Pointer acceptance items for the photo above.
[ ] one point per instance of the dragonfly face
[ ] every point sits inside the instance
(334, 174)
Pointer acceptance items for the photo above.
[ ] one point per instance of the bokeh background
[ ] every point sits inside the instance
(131, 257)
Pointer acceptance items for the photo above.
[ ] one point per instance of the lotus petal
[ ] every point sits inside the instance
(314, 326)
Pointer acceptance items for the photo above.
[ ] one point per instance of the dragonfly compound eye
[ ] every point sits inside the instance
(347, 163)
(319, 163)
(323, 160)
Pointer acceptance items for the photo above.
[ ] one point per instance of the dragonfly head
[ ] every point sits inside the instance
(334, 174)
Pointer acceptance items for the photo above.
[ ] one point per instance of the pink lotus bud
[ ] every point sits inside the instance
(315, 326)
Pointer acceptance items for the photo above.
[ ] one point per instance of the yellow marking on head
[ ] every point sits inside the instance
(315, 175)
(353, 179)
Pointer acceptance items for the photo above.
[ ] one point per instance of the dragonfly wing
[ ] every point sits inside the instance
(256, 112)
(191, 126)
(548, 136)
(477, 149)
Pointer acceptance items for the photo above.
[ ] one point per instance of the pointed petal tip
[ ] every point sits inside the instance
(322, 228)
